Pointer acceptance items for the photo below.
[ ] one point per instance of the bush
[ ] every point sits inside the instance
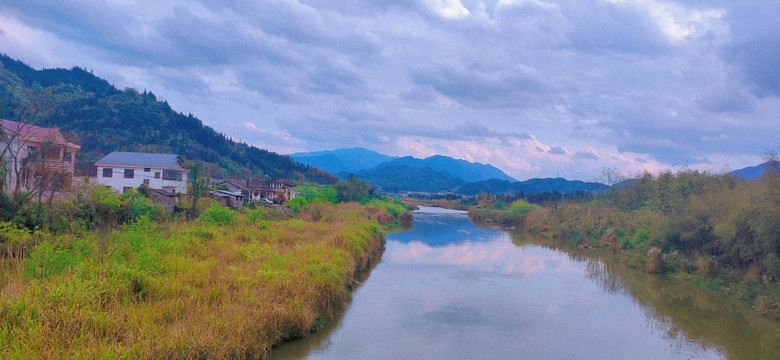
(15, 241)
(394, 207)
(522, 207)
(313, 193)
(218, 215)
(406, 220)
(295, 204)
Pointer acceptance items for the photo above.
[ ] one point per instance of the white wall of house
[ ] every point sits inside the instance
(127, 176)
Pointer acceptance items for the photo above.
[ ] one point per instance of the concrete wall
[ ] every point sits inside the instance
(118, 182)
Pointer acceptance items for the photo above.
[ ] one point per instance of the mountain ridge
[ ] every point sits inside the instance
(108, 119)
(363, 161)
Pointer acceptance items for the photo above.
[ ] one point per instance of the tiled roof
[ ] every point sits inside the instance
(29, 132)
(140, 159)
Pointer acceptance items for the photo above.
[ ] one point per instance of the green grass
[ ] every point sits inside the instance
(229, 285)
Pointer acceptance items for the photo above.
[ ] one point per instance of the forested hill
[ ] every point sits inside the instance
(107, 119)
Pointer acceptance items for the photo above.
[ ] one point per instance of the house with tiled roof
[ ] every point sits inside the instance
(29, 152)
(125, 170)
(273, 190)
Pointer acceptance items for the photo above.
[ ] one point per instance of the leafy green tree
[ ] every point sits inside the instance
(354, 189)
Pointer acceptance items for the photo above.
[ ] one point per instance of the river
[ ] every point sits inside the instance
(449, 289)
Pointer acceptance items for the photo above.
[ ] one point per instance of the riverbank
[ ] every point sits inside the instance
(228, 285)
(715, 231)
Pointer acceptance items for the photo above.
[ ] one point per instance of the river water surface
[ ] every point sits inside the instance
(449, 289)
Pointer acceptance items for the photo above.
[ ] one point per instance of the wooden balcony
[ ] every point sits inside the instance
(53, 166)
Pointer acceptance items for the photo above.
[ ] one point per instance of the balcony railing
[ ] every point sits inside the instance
(53, 165)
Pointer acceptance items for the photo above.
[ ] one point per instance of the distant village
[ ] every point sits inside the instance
(41, 160)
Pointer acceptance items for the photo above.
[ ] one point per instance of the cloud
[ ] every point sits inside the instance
(517, 86)
(626, 84)
(754, 47)
(604, 26)
(557, 150)
(727, 101)
(583, 155)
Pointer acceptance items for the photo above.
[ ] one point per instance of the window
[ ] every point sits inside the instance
(156, 174)
(172, 175)
(68, 156)
(129, 173)
(147, 169)
(32, 151)
(126, 189)
(108, 172)
(146, 181)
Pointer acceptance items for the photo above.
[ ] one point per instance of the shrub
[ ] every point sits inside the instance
(522, 207)
(295, 204)
(218, 215)
(498, 205)
(313, 193)
(15, 241)
(406, 220)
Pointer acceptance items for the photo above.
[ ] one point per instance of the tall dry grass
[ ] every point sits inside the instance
(716, 230)
(179, 290)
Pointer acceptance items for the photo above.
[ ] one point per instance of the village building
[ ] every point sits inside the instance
(264, 190)
(31, 153)
(231, 199)
(126, 170)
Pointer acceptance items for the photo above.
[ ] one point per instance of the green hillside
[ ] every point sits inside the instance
(103, 118)
(404, 178)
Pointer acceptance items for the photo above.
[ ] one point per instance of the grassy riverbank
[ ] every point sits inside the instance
(716, 231)
(227, 285)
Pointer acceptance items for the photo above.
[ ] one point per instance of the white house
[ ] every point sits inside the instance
(125, 170)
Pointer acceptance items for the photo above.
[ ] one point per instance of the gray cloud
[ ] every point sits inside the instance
(587, 74)
(727, 101)
(508, 87)
(602, 26)
(557, 150)
(754, 47)
(582, 155)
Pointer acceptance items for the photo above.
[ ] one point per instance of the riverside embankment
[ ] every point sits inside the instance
(227, 285)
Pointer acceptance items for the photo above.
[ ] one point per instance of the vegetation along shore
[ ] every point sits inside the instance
(104, 275)
(714, 230)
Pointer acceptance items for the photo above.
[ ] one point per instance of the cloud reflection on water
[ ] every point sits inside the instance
(496, 256)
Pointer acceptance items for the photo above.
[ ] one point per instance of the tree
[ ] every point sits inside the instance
(197, 185)
(34, 103)
(354, 189)
(611, 176)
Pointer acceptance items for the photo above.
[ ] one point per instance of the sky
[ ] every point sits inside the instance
(536, 88)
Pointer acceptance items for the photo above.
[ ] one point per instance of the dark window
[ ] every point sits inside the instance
(126, 189)
(32, 152)
(108, 172)
(156, 174)
(147, 169)
(129, 173)
(172, 175)
(67, 156)
(146, 181)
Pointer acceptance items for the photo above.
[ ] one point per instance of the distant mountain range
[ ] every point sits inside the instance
(752, 172)
(442, 173)
(364, 162)
(531, 186)
(434, 174)
(342, 160)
